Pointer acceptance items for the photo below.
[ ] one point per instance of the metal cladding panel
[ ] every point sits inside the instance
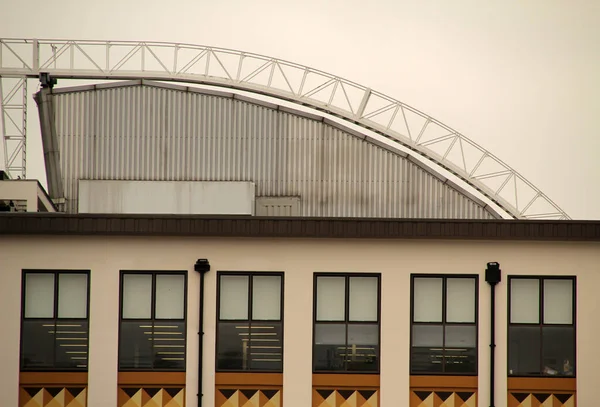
(157, 134)
(166, 197)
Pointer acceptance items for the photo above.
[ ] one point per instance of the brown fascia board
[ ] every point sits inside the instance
(295, 227)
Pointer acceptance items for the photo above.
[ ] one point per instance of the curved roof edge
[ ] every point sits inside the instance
(428, 138)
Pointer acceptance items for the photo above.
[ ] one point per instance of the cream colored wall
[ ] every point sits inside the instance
(298, 259)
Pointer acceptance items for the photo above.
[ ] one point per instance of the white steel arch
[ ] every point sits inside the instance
(423, 135)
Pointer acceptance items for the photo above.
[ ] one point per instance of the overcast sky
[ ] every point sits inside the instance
(518, 77)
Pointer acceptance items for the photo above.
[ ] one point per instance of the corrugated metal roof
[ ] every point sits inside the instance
(257, 227)
(141, 132)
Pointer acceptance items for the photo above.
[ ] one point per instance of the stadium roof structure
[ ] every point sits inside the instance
(421, 137)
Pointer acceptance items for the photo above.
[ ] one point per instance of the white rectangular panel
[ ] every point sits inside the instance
(39, 295)
(363, 299)
(167, 197)
(72, 295)
(427, 299)
(331, 296)
(137, 296)
(558, 301)
(266, 297)
(524, 301)
(170, 296)
(460, 300)
(233, 302)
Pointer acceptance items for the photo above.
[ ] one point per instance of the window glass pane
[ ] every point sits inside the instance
(71, 344)
(72, 295)
(524, 350)
(233, 346)
(558, 301)
(427, 335)
(37, 348)
(39, 295)
(137, 296)
(168, 341)
(460, 300)
(460, 360)
(460, 350)
(427, 300)
(460, 336)
(331, 295)
(363, 347)
(524, 301)
(266, 297)
(135, 347)
(266, 347)
(233, 302)
(558, 345)
(363, 299)
(427, 348)
(426, 360)
(170, 296)
(330, 347)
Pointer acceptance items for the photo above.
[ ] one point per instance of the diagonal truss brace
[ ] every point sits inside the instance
(13, 119)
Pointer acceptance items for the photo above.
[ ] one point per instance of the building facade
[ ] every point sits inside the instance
(109, 310)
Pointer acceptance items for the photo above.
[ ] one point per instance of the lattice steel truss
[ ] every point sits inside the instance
(423, 135)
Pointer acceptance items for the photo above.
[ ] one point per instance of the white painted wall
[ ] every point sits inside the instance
(25, 190)
(168, 197)
(298, 258)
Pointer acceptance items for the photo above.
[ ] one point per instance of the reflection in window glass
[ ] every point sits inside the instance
(37, 348)
(525, 344)
(363, 347)
(330, 347)
(558, 351)
(428, 335)
(460, 336)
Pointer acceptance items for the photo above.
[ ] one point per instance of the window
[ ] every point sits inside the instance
(250, 331)
(346, 323)
(153, 312)
(54, 330)
(541, 329)
(444, 324)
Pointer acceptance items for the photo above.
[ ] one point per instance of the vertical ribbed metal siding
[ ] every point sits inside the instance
(150, 133)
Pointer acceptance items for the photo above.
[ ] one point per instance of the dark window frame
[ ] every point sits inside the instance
(444, 323)
(250, 275)
(152, 318)
(346, 322)
(56, 273)
(541, 324)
